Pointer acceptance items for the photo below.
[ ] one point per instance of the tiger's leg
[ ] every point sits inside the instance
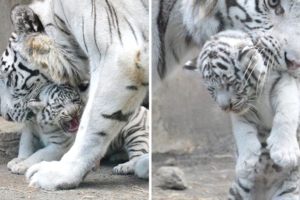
(135, 135)
(26, 148)
(283, 144)
(248, 146)
(289, 190)
(49, 153)
(119, 84)
(241, 189)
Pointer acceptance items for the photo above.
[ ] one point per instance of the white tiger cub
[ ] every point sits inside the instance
(264, 107)
(51, 132)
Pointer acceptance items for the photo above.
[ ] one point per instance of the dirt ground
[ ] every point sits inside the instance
(208, 178)
(189, 131)
(101, 184)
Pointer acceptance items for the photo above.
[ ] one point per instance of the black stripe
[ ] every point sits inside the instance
(83, 35)
(92, 7)
(165, 9)
(221, 66)
(109, 24)
(247, 190)
(102, 134)
(133, 32)
(132, 87)
(63, 23)
(118, 116)
(117, 22)
(291, 190)
(95, 25)
(144, 5)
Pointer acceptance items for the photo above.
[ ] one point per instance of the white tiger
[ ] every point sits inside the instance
(51, 116)
(265, 109)
(181, 27)
(64, 36)
(51, 131)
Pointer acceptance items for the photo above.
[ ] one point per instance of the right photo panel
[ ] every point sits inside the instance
(225, 99)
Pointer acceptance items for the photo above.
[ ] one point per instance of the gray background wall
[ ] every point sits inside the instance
(186, 120)
(6, 27)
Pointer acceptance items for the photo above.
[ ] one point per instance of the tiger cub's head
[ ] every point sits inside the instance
(58, 105)
(233, 70)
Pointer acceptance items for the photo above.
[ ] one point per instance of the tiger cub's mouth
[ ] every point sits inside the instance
(71, 126)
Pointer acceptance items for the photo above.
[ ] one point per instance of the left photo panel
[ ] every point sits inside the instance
(74, 93)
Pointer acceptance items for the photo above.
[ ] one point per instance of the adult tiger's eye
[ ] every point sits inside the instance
(274, 3)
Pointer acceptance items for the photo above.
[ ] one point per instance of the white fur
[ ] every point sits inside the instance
(141, 168)
(264, 120)
(112, 63)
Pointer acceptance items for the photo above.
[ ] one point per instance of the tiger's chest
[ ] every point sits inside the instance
(48, 134)
(264, 105)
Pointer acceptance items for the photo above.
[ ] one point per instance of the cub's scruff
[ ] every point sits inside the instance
(242, 74)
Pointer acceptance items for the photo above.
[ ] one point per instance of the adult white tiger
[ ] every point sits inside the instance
(63, 36)
(51, 113)
(181, 27)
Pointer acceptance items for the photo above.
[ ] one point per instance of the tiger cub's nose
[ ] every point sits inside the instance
(226, 107)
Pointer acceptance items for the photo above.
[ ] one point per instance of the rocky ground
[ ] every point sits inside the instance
(101, 184)
(190, 132)
(208, 178)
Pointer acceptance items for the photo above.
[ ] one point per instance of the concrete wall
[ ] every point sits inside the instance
(187, 120)
(6, 26)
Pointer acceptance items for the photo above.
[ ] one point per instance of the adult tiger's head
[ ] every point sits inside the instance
(59, 105)
(20, 74)
(278, 18)
(233, 70)
(19, 79)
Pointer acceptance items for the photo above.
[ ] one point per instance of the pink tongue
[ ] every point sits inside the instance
(73, 125)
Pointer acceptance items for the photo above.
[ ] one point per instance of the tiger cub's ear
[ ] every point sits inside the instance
(35, 105)
(25, 20)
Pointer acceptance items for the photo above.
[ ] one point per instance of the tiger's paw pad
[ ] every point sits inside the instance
(284, 155)
(125, 168)
(13, 162)
(20, 168)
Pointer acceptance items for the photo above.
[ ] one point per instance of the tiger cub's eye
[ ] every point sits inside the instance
(273, 3)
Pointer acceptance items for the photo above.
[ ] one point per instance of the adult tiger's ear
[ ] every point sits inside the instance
(35, 105)
(25, 20)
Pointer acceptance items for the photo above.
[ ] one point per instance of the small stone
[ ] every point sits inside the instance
(170, 162)
(171, 178)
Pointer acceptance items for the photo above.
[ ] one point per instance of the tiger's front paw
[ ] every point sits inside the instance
(125, 168)
(283, 152)
(13, 162)
(54, 175)
(247, 162)
(20, 168)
